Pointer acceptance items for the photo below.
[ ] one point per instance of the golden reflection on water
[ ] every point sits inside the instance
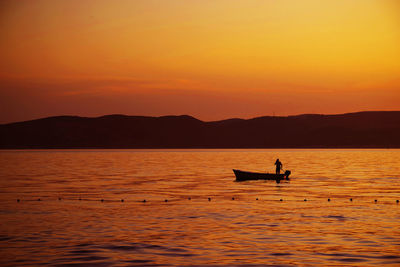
(221, 231)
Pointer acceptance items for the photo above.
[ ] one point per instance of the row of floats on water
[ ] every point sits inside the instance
(166, 200)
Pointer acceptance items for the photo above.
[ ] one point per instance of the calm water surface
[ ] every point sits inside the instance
(80, 229)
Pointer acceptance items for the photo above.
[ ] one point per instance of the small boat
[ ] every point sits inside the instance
(245, 176)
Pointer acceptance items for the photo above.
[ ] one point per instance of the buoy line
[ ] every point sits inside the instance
(215, 199)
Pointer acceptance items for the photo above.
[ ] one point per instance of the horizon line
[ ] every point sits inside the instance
(187, 115)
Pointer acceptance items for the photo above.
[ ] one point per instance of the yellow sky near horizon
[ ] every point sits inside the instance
(307, 55)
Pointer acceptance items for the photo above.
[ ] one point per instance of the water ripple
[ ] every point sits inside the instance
(231, 228)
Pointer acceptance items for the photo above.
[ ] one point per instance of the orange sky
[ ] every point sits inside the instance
(212, 59)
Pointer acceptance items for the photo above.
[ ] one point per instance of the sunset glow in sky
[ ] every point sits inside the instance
(212, 59)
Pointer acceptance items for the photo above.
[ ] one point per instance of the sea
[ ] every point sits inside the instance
(184, 208)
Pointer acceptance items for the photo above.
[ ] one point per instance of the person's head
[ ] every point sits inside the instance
(277, 160)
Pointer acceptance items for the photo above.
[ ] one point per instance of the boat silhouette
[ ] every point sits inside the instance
(245, 175)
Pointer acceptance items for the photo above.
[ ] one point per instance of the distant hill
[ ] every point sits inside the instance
(353, 130)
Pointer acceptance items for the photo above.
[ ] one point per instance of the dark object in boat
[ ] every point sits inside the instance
(245, 176)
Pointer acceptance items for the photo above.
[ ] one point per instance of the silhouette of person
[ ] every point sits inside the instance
(278, 166)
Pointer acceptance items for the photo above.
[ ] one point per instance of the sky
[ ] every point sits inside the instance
(212, 59)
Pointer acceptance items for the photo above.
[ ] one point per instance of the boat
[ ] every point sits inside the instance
(245, 176)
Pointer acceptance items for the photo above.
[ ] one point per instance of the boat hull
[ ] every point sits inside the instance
(246, 176)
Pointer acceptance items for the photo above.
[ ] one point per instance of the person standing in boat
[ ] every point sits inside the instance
(278, 166)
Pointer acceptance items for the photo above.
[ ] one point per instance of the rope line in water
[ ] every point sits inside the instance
(209, 199)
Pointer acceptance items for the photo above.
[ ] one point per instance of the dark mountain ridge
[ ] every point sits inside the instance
(373, 129)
